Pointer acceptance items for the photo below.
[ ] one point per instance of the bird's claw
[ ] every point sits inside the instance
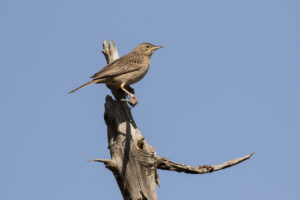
(132, 101)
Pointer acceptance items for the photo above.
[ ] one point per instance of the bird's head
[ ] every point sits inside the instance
(146, 49)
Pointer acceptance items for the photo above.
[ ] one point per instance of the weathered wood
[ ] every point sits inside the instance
(134, 162)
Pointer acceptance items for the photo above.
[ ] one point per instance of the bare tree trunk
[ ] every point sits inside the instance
(134, 162)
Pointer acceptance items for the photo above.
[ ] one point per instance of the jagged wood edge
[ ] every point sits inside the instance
(137, 156)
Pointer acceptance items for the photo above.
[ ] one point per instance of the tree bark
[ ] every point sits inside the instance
(134, 162)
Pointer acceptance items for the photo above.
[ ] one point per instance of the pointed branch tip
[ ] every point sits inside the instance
(166, 164)
(105, 161)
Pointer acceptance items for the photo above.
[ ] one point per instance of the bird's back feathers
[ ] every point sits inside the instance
(123, 65)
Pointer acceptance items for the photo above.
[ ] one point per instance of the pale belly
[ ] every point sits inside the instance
(130, 78)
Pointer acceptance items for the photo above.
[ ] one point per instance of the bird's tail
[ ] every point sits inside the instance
(84, 85)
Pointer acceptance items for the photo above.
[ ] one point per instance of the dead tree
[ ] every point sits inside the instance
(134, 162)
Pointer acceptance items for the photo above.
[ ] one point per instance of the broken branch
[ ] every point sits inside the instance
(167, 164)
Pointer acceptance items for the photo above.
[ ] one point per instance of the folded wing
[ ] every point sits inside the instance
(123, 65)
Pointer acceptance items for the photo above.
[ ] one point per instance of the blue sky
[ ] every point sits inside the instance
(225, 84)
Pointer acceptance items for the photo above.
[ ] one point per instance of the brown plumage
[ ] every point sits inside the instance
(126, 70)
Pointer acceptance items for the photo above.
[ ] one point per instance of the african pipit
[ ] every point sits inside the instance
(126, 70)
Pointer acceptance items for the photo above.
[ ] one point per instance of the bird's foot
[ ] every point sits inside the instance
(132, 101)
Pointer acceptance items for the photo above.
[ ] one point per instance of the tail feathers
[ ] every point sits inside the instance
(84, 85)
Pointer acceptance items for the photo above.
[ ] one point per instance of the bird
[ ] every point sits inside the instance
(125, 70)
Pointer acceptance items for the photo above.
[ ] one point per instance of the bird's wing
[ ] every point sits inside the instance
(123, 65)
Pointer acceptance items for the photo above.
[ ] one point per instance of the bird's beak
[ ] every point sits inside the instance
(157, 47)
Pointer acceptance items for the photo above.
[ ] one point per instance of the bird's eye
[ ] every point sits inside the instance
(147, 46)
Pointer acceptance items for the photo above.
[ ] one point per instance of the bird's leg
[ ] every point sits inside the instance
(133, 100)
(131, 95)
